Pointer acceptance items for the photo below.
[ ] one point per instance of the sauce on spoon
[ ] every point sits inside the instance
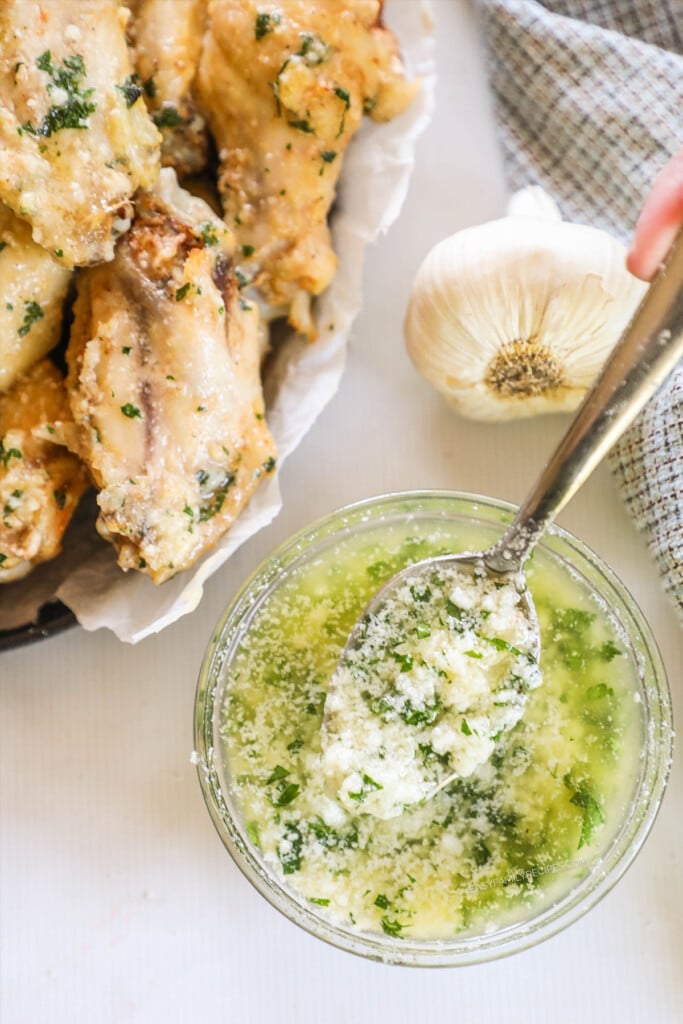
(436, 674)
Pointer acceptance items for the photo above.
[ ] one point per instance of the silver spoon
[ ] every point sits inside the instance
(640, 362)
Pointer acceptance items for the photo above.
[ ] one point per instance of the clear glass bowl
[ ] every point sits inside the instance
(605, 866)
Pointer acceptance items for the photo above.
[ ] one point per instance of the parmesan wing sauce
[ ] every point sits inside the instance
(442, 669)
(540, 794)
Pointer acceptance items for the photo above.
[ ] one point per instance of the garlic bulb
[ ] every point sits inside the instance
(515, 317)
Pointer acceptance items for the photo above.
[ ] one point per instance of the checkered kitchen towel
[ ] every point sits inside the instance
(589, 95)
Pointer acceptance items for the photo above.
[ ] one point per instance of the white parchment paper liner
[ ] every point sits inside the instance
(299, 383)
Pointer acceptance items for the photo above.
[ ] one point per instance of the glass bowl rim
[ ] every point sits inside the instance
(625, 844)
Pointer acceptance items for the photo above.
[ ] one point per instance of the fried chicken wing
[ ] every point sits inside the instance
(165, 388)
(40, 481)
(285, 86)
(34, 287)
(167, 36)
(75, 137)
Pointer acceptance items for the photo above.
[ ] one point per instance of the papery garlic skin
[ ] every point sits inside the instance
(515, 317)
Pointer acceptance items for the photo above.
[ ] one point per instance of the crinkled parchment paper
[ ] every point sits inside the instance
(299, 382)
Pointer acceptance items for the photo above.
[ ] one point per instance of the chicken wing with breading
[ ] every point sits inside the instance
(165, 389)
(34, 286)
(75, 137)
(285, 86)
(167, 36)
(40, 481)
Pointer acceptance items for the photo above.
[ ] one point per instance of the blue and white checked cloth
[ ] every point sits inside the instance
(589, 98)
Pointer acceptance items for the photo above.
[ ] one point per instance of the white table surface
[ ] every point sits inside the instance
(118, 901)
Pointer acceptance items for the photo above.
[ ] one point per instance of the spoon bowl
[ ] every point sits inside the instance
(435, 671)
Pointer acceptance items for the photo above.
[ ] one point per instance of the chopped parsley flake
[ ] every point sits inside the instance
(214, 504)
(182, 291)
(167, 117)
(247, 250)
(289, 850)
(285, 793)
(314, 50)
(369, 786)
(32, 313)
(208, 233)
(426, 715)
(277, 773)
(131, 89)
(265, 23)
(330, 839)
(583, 797)
(76, 108)
(327, 156)
(391, 927)
(12, 504)
(2, 245)
(131, 411)
(302, 126)
(60, 499)
(345, 97)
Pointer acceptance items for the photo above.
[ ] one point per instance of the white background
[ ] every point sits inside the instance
(118, 901)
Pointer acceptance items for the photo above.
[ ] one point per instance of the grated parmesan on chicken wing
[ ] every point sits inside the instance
(285, 86)
(167, 37)
(164, 383)
(75, 137)
(40, 481)
(34, 286)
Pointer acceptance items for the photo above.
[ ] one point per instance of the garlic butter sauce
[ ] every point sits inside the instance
(490, 848)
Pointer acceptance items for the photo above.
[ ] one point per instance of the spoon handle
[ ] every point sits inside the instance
(640, 362)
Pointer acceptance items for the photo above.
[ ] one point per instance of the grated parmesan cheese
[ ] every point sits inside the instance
(442, 670)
